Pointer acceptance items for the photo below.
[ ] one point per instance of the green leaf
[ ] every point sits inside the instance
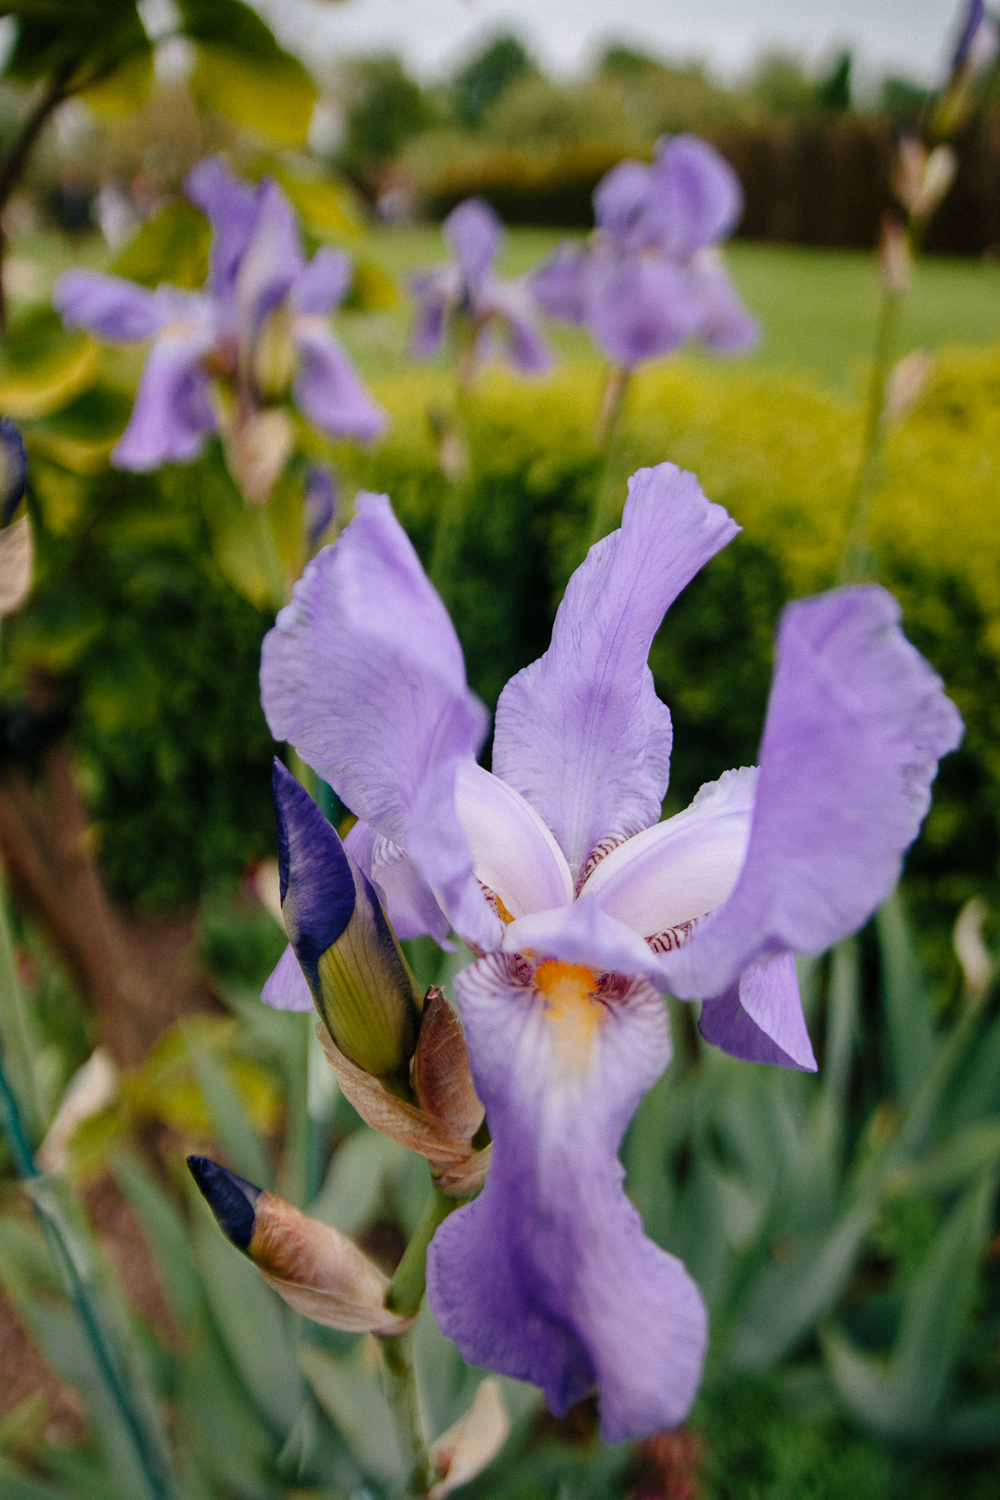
(166, 1232)
(356, 1181)
(43, 365)
(350, 1391)
(327, 209)
(231, 1126)
(171, 246)
(15, 1485)
(88, 39)
(371, 289)
(126, 88)
(81, 434)
(953, 1162)
(271, 99)
(908, 1021)
(253, 1322)
(936, 1309)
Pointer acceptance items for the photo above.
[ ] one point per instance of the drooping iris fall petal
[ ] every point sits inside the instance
(547, 1275)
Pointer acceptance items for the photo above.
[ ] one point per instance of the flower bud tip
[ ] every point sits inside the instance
(232, 1199)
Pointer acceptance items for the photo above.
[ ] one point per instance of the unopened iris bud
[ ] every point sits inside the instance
(16, 551)
(355, 969)
(13, 470)
(319, 507)
(317, 1270)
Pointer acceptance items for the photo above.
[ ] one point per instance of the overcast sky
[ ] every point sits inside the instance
(905, 36)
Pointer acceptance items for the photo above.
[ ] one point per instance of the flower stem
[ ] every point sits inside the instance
(274, 573)
(404, 1296)
(404, 1398)
(856, 560)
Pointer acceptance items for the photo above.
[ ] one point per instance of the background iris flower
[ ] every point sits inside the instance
(485, 313)
(224, 358)
(651, 275)
(582, 905)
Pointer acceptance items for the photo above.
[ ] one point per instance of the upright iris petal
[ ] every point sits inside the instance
(494, 312)
(581, 732)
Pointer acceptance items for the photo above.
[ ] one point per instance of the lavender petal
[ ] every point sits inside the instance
(287, 987)
(363, 674)
(581, 733)
(697, 198)
(640, 307)
(172, 412)
(107, 305)
(760, 1018)
(327, 389)
(323, 283)
(231, 208)
(856, 724)
(473, 233)
(547, 1276)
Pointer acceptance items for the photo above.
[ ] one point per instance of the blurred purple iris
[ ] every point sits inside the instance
(465, 292)
(584, 907)
(651, 276)
(223, 358)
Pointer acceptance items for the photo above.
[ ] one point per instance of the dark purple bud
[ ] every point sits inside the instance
(13, 470)
(231, 1199)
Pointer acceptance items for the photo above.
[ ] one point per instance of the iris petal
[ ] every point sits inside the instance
(547, 1276)
(856, 724)
(581, 733)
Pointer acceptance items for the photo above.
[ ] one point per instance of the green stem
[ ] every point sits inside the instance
(405, 1293)
(856, 562)
(612, 406)
(406, 1289)
(404, 1398)
(16, 1035)
(273, 571)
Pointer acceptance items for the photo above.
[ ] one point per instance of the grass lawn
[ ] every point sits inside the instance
(817, 307)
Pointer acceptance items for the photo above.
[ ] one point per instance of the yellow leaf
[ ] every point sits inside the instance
(272, 98)
(127, 88)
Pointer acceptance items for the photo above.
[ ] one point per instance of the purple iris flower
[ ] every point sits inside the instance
(257, 326)
(651, 277)
(976, 44)
(495, 312)
(584, 907)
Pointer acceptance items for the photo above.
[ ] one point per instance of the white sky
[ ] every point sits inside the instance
(904, 36)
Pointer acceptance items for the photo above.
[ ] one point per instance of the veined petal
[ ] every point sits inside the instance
(473, 233)
(231, 208)
(697, 198)
(760, 1019)
(680, 869)
(640, 307)
(327, 390)
(323, 283)
(363, 674)
(547, 1276)
(409, 901)
(287, 987)
(581, 733)
(512, 850)
(856, 723)
(172, 412)
(107, 305)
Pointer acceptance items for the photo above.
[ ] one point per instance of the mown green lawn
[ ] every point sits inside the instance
(817, 307)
